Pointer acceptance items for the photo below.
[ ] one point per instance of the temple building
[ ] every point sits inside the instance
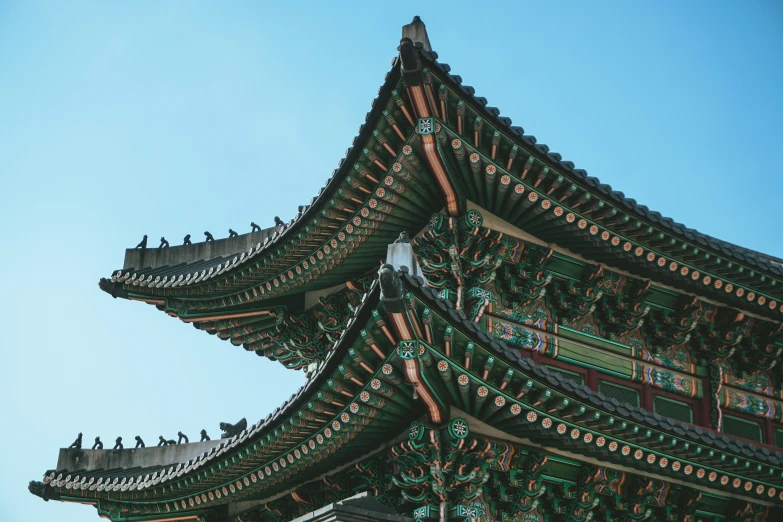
(488, 334)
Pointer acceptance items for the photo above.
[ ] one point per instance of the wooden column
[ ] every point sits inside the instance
(705, 404)
(592, 379)
(769, 432)
(647, 398)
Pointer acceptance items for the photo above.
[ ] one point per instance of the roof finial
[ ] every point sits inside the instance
(417, 31)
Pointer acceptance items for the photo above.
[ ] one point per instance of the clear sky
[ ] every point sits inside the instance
(119, 119)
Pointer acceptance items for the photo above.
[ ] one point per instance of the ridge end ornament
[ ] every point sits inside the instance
(408, 349)
(425, 126)
(392, 291)
(231, 430)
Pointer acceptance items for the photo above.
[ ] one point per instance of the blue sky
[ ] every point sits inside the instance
(119, 119)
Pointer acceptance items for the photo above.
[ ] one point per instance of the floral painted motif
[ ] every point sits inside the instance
(751, 404)
(664, 379)
(612, 283)
(608, 481)
(586, 324)
(515, 249)
(703, 313)
(531, 314)
(517, 335)
(673, 357)
(635, 342)
(757, 382)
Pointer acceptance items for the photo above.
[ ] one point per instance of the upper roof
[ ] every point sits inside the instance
(542, 152)
(385, 185)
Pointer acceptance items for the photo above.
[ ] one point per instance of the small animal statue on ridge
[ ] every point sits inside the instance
(143, 244)
(98, 444)
(278, 222)
(165, 442)
(209, 236)
(38, 489)
(77, 444)
(118, 443)
(229, 430)
(404, 237)
(139, 442)
(181, 436)
(204, 436)
(254, 227)
(231, 233)
(186, 241)
(163, 243)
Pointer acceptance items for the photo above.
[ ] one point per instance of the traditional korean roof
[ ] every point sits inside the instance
(568, 388)
(358, 395)
(342, 232)
(317, 421)
(487, 114)
(560, 204)
(387, 183)
(384, 357)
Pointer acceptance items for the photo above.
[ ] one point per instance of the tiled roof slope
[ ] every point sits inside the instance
(758, 260)
(636, 414)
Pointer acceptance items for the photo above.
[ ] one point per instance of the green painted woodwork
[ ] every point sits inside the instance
(677, 410)
(492, 480)
(295, 340)
(535, 297)
(520, 165)
(742, 428)
(623, 394)
(596, 341)
(605, 362)
(536, 399)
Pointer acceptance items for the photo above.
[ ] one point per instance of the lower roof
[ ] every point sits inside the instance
(144, 475)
